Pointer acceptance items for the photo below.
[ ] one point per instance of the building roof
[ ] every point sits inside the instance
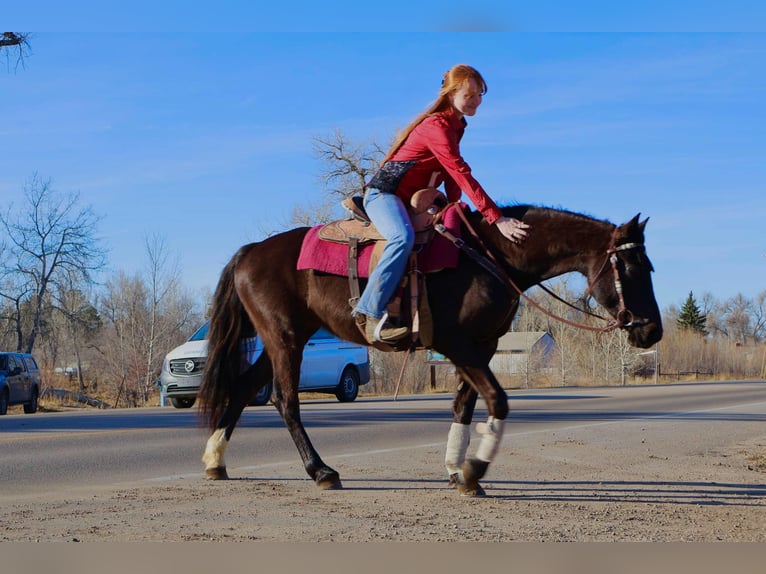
(520, 341)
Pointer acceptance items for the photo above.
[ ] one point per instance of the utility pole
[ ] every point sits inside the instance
(656, 354)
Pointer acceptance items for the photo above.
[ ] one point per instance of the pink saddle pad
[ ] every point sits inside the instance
(332, 258)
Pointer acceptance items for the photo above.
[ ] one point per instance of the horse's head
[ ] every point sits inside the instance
(623, 285)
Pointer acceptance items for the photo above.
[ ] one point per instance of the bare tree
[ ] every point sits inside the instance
(123, 310)
(626, 356)
(348, 167)
(738, 318)
(14, 291)
(313, 214)
(15, 44)
(49, 237)
(565, 336)
(713, 311)
(171, 310)
(81, 323)
(145, 315)
(759, 317)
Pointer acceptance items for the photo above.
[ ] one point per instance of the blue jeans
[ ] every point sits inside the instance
(388, 214)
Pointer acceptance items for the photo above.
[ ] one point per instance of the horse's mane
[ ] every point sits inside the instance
(543, 212)
(553, 229)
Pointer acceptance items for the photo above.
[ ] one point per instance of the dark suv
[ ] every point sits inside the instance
(19, 382)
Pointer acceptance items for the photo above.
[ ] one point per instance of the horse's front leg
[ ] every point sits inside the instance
(474, 469)
(286, 400)
(459, 436)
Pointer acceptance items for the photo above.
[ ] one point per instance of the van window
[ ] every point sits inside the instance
(3, 362)
(31, 364)
(201, 333)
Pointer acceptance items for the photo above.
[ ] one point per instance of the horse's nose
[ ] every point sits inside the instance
(646, 335)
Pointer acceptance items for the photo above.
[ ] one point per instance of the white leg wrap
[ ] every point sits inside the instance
(492, 433)
(215, 449)
(457, 445)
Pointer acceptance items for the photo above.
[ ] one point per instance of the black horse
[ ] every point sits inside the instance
(471, 307)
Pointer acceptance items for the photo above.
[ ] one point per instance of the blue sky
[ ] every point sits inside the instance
(206, 139)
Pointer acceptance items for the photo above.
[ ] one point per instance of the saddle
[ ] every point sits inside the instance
(425, 210)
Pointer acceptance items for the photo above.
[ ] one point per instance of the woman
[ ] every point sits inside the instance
(425, 154)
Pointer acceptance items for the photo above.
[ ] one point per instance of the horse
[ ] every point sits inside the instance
(472, 306)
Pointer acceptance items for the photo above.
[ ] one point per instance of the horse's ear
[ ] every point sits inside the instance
(633, 221)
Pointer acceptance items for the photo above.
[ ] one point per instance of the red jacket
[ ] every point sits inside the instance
(434, 147)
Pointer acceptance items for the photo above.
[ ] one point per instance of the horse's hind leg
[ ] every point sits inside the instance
(248, 383)
(286, 375)
(325, 477)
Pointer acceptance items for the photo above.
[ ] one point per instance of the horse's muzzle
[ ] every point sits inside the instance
(643, 333)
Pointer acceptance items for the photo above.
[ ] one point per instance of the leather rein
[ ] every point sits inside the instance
(625, 318)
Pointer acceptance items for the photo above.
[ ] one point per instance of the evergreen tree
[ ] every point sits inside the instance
(691, 318)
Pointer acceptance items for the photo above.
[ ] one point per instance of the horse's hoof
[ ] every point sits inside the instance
(216, 473)
(473, 471)
(328, 480)
(471, 491)
(330, 485)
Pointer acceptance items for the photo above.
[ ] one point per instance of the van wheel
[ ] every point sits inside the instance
(263, 396)
(182, 403)
(348, 387)
(31, 406)
(3, 401)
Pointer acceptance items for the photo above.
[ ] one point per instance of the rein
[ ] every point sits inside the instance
(625, 318)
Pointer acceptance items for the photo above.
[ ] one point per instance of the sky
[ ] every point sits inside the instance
(205, 139)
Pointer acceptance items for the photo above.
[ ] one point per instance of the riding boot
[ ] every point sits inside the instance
(383, 331)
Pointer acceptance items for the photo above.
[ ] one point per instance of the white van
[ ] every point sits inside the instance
(330, 365)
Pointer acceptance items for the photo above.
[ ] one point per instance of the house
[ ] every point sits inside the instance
(523, 352)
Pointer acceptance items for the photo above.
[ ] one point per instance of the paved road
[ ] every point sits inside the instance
(74, 450)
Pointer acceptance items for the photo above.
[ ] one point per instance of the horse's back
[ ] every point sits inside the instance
(270, 286)
(273, 258)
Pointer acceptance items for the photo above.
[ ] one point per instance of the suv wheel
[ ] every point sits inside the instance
(3, 401)
(182, 403)
(31, 406)
(348, 387)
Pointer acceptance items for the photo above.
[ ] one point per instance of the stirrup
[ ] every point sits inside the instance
(377, 335)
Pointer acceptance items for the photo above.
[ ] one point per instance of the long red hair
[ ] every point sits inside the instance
(453, 80)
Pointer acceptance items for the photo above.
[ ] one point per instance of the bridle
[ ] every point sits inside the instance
(625, 317)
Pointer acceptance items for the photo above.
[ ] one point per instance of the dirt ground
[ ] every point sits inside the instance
(704, 496)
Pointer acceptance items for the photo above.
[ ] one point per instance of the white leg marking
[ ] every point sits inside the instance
(492, 433)
(215, 449)
(457, 445)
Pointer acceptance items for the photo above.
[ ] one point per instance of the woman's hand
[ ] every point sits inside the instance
(513, 229)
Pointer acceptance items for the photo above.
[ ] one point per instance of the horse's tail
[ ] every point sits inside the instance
(228, 324)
